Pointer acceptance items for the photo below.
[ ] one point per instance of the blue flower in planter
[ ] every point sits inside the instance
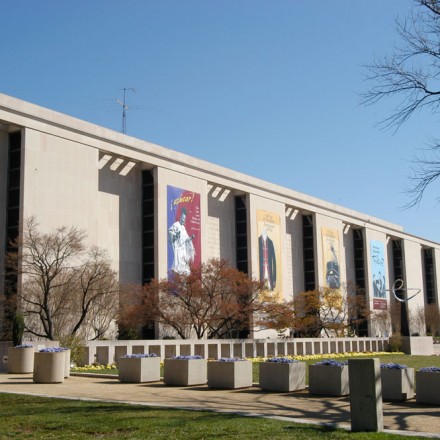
(332, 363)
(187, 358)
(393, 366)
(281, 360)
(140, 355)
(24, 346)
(430, 369)
(231, 359)
(53, 349)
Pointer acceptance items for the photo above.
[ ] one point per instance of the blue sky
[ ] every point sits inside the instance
(270, 88)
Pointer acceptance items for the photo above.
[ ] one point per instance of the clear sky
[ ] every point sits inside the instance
(270, 88)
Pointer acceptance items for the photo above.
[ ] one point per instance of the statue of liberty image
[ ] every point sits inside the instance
(332, 275)
(182, 244)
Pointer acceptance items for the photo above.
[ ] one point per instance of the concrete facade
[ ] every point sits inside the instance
(74, 173)
(3, 199)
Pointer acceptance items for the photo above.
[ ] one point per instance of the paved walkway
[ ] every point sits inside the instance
(410, 417)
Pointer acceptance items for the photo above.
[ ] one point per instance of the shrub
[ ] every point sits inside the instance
(17, 329)
(77, 348)
(395, 343)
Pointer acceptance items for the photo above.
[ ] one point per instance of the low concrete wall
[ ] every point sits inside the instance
(418, 345)
(4, 356)
(106, 352)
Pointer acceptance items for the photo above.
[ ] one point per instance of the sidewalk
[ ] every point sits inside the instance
(410, 417)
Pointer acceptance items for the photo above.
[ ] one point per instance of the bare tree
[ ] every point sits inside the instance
(432, 319)
(411, 74)
(382, 320)
(417, 321)
(214, 300)
(61, 282)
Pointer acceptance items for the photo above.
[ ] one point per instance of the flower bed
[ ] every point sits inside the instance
(139, 355)
(317, 357)
(185, 370)
(187, 358)
(230, 373)
(428, 385)
(282, 374)
(96, 368)
(21, 359)
(329, 377)
(397, 382)
(139, 368)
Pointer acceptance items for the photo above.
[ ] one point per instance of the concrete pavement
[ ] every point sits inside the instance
(405, 417)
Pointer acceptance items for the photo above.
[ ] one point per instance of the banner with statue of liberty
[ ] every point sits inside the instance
(184, 230)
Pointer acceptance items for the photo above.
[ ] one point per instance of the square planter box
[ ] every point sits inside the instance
(21, 360)
(49, 367)
(428, 387)
(229, 375)
(141, 369)
(185, 372)
(329, 380)
(282, 377)
(397, 384)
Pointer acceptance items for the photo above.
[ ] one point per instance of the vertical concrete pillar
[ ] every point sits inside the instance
(365, 395)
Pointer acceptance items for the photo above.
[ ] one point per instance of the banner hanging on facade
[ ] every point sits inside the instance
(184, 227)
(269, 251)
(330, 256)
(378, 273)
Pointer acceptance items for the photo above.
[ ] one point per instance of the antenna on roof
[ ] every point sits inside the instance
(125, 107)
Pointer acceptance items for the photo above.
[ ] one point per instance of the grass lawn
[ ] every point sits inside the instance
(28, 417)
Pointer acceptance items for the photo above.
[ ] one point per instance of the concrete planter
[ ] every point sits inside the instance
(185, 372)
(21, 360)
(282, 377)
(49, 367)
(329, 380)
(397, 384)
(67, 363)
(428, 387)
(229, 375)
(139, 369)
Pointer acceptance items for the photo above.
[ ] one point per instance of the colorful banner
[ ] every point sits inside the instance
(184, 227)
(269, 251)
(378, 273)
(330, 256)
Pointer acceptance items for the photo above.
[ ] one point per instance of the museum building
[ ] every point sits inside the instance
(156, 210)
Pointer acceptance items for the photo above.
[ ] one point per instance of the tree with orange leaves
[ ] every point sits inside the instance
(214, 300)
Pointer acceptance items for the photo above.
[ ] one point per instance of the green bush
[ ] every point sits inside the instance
(77, 347)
